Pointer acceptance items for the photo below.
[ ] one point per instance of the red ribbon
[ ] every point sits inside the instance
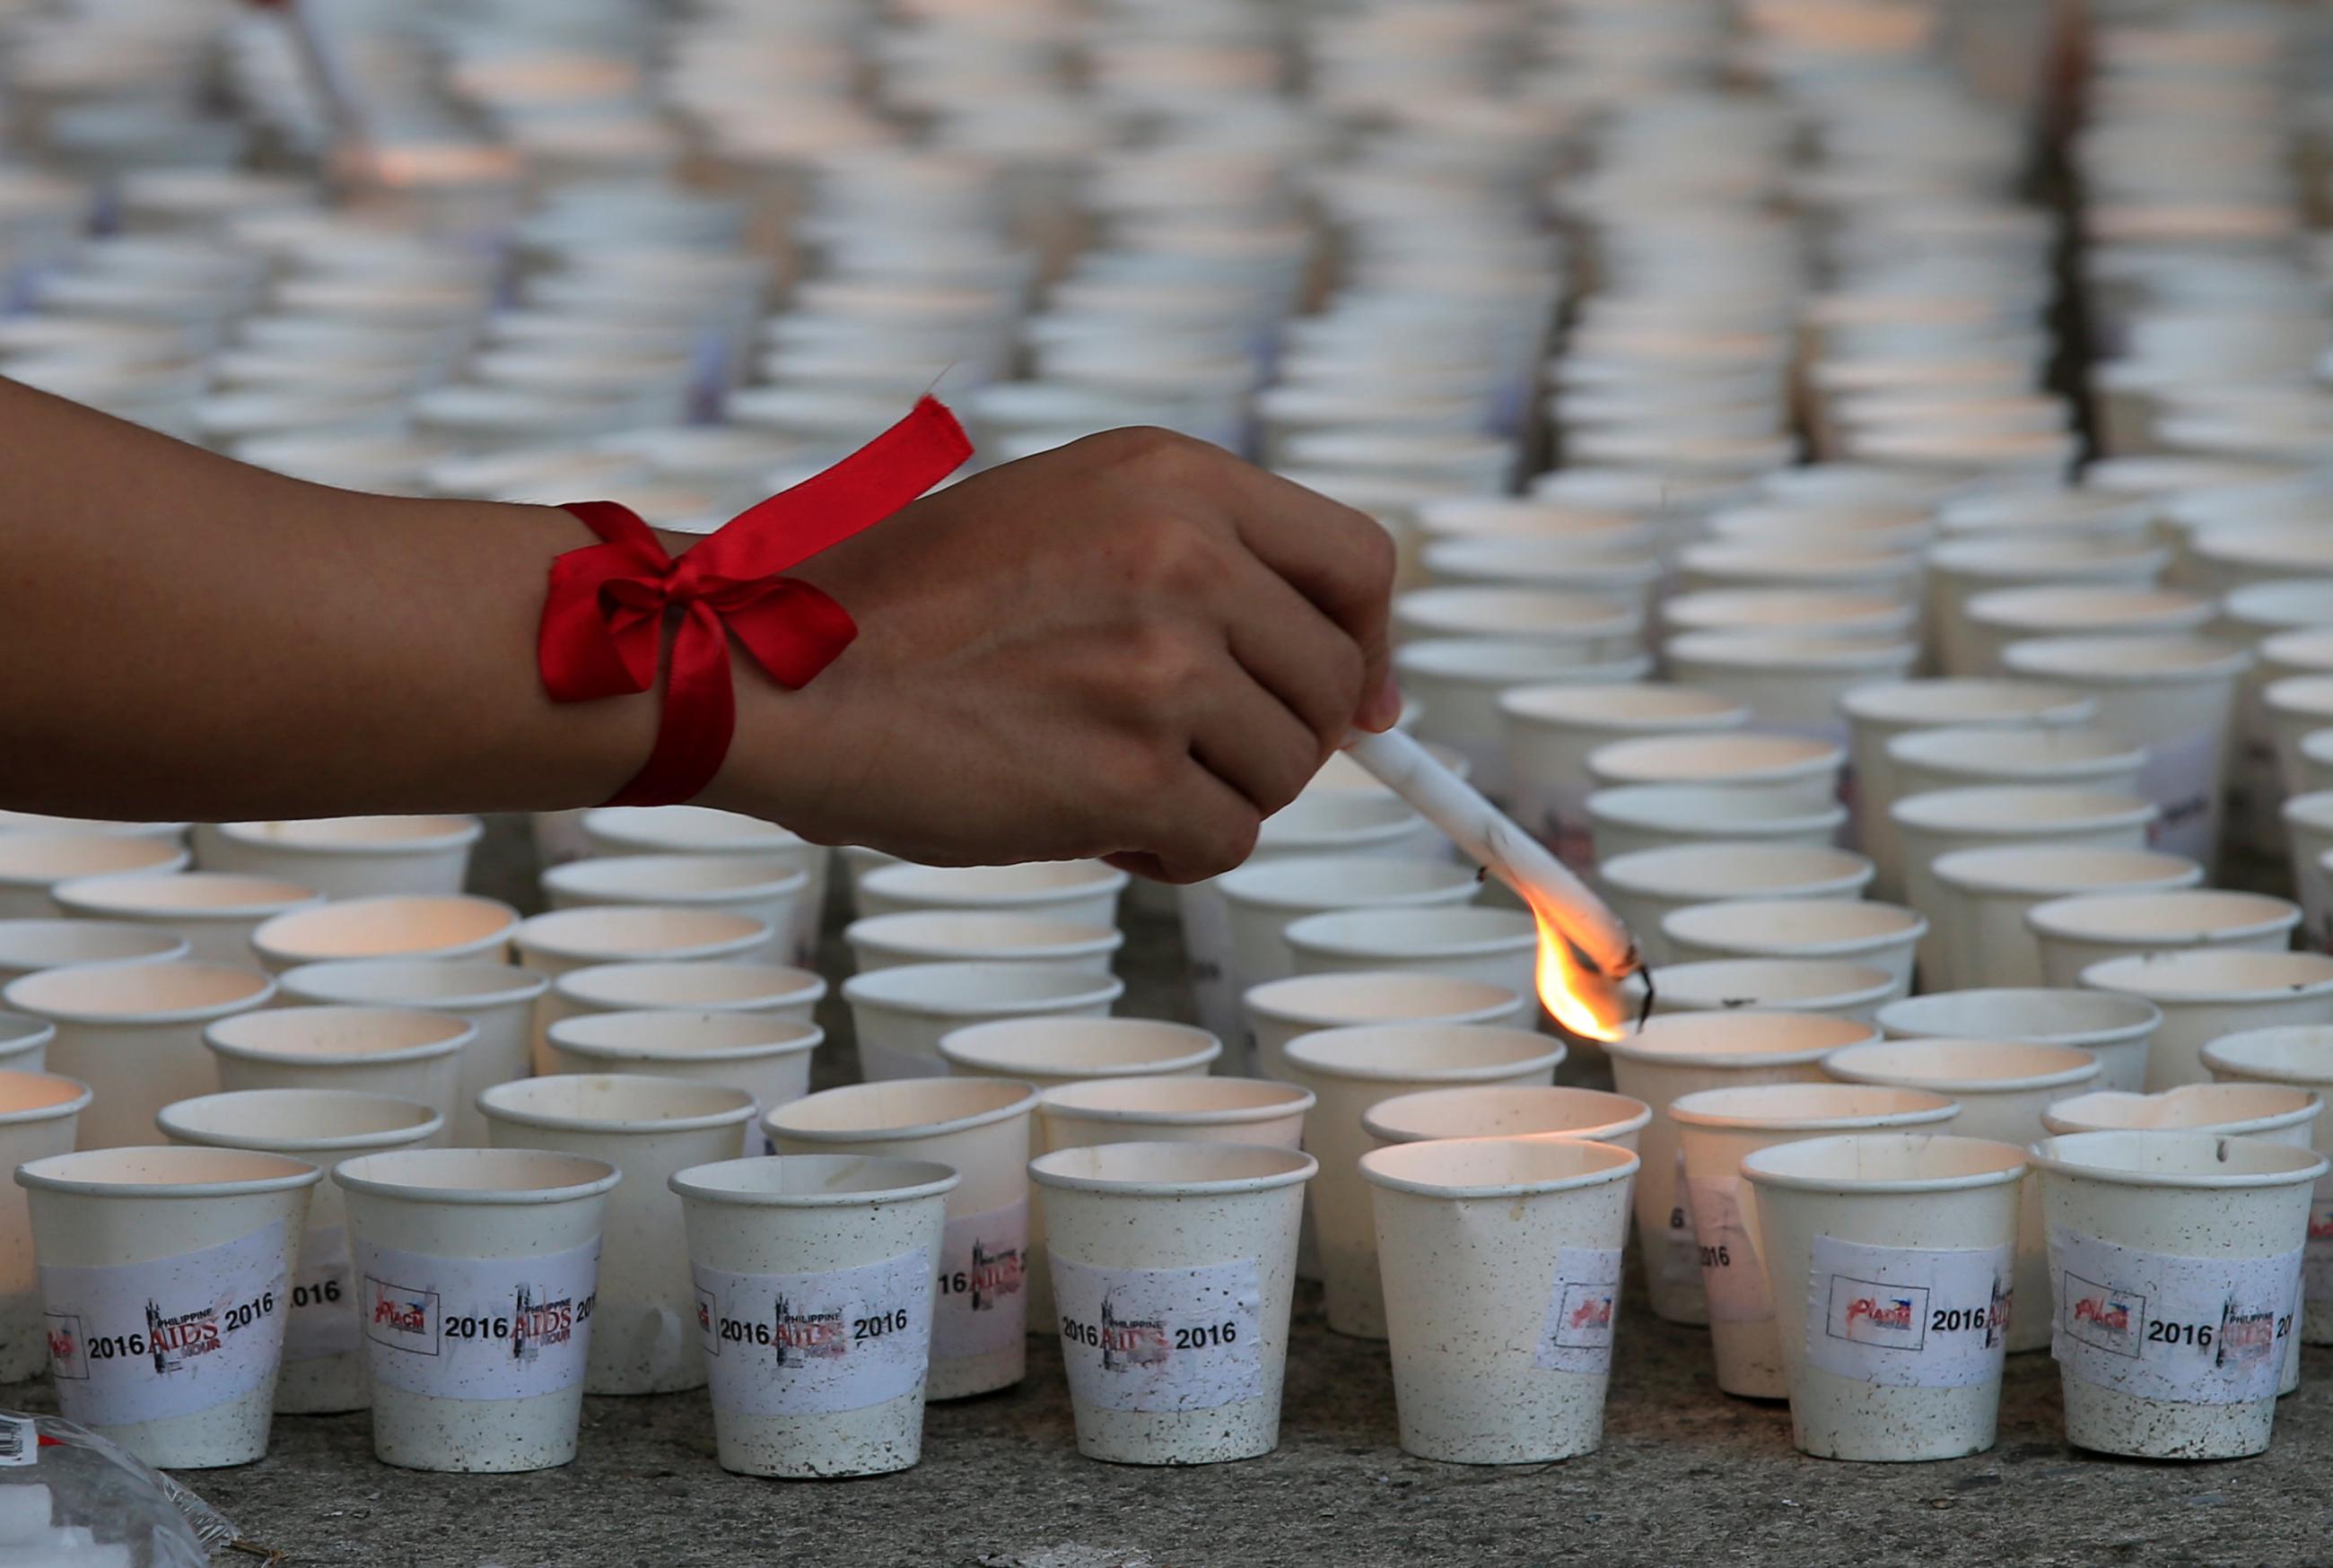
(603, 621)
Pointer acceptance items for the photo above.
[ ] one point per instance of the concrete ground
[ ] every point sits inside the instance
(1686, 1476)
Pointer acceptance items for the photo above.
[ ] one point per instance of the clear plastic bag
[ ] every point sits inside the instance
(70, 1499)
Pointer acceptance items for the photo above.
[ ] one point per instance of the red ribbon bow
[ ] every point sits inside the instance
(603, 620)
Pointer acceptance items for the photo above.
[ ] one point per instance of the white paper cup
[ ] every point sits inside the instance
(497, 1000)
(2074, 934)
(1880, 935)
(686, 985)
(1643, 817)
(37, 1115)
(398, 925)
(1502, 1277)
(193, 1247)
(2002, 1087)
(33, 864)
(1679, 1054)
(1547, 731)
(2209, 993)
(349, 856)
(477, 1272)
(1351, 1069)
(1277, 1012)
(648, 1127)
(24, 1043)
(133, 1032)
(1960, 569)
(1788, 767)
(1596, 630)
(1878, 714)
(2082, 756)
(767, 887)
(765, 1055)
(2308, 830)
(27, 946)
(324, 1339)
(1645, 887)
(977, 936)
(1190, 1110)
(214, 912)
(1789, 681)
(1880, 1233)
(1509, 1111)
(1835, 987)
(982, 1128)
(1982, 895)
(1457, 683)
(2119, 1030)
(2230, 1109)
(1173, 1268)
(1048, 1052)
(408, 1053)
(2199, 1234)
(790, 1257)
(1263, 899)
(1999, 616)
(1716, 1130)
(900, 1014)
(1808, 612)
(702, 830)
(553, 944)
(2296, 707)
(2174, 694)
(2297, 1057)
(1082, 892)
(2001, 815)
(1460, 941)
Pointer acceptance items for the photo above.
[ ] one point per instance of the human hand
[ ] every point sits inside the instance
(1135, 647)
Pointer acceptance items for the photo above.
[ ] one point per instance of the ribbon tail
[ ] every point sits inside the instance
(700, 711)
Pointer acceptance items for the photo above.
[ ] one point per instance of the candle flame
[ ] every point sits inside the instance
(1582, 1001)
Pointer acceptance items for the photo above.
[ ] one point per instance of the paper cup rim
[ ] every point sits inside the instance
(1489, 1012)
(1375, 1122)
(2032, 655)
(468, 831)
(1304, 1051)
(1836, 949)
(599, 823)
(525, 986)
(1826, 1003)
(351, 1176)
(170, 855)
(2136, 811)
(2104, 1034)
(2060, 1154)
(2217, 1059)
(1094, 989)
(2049, 918)
(1104, 880)
(1859, 876)
(1296, 1168)
(571, 985)
(1952, 868)
(1630, 1047)
(1381, 1168)
(758, 935)
(15, 991)
(421, 1051)
(911, 1179)
(2096, 978)
(1753, 1168)
(1867, 703)
(29, 1034)
(172, 948)
(2060, 1077)
(1207, 1050)
(1023, 1104)
(430, 1123)
(1522, 940)
(267, 940)
(859, 934)
(55, 1174)
(490, 1104)
(1233, 886)
(2056, 1121)
(805, 1036)
(86, 894)
(70, 1106)
(563, 879)
(1061, 1099)
(1942, 1108)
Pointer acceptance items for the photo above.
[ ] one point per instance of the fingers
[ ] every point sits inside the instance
(1249, 739)
(1300, 656)
(1202, 827)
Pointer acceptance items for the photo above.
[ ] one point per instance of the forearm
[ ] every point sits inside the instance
(185, 636)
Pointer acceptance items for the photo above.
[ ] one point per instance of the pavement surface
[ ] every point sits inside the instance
(1686, 1475)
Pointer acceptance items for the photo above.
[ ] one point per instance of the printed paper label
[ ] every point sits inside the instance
(1909, 1317)
(1161, 1339)
(793, 1344)
(139, 1342)
(983, 1305)
(477, 1328)
(20, 1444)
(323, 1320)
(1676, 1255)
(2181, 775)
(2206, 1331)
(1731, 1275)
(1582, 1306)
